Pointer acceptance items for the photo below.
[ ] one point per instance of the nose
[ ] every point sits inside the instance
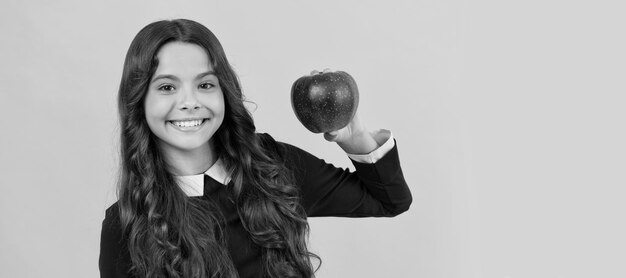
(189, 101)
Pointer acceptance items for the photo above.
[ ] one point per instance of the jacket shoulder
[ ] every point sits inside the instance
(112, 211)
(274, 148)
(111, 222)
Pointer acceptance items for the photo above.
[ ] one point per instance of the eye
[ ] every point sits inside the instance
(166, 88)
(206, 86)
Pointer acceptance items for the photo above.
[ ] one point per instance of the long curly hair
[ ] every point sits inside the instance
(172, 235)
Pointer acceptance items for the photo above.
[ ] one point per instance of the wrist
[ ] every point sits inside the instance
(359, 143)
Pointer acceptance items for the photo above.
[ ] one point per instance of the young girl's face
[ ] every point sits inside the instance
(184, 105)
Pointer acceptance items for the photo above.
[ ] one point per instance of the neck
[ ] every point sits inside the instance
(189, 162)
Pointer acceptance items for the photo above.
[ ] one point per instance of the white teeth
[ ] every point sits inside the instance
(187, 123)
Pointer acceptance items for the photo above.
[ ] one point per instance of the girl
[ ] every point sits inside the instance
(201, 194)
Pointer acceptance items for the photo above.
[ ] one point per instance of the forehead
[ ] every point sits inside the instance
(182, 59)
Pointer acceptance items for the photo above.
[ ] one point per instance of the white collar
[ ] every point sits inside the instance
(193, 185)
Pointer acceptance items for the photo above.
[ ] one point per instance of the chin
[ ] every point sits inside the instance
(186, 145)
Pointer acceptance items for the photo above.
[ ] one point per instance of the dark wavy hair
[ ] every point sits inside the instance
(172, 235)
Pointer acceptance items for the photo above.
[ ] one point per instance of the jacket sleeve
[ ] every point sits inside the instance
(373, 190)
(114, 259)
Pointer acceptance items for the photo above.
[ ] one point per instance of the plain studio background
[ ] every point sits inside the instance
(509, 119)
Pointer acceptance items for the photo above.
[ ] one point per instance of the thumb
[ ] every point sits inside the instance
(330, 136)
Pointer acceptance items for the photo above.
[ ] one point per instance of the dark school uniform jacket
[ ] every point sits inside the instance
(373, 190)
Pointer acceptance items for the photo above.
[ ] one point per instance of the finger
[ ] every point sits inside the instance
(330, 136)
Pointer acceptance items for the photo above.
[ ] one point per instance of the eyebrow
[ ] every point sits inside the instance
(173, 77)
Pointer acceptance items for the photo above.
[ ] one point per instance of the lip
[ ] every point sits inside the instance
(188, 128)
(188, 119)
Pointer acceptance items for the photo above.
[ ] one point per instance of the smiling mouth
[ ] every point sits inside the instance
(188, 123)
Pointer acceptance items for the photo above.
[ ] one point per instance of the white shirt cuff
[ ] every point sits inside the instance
(384, 139)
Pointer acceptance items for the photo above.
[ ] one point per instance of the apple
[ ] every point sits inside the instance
(325, 101)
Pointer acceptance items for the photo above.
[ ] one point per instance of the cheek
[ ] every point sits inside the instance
(222, 102)
(215, 103)
(151, 121)
(156, 108)
(156, 111)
